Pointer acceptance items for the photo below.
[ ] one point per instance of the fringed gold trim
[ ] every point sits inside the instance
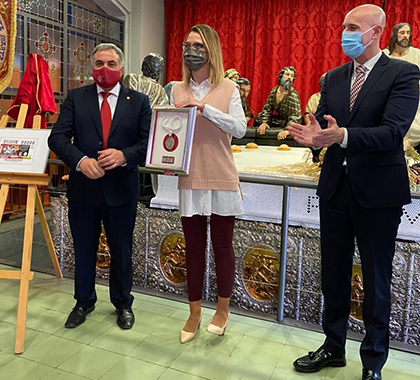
(4, 83)
(38, 82)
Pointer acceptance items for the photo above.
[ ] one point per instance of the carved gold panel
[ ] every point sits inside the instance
(173, 258)
(103, 257)
(260, 273)
(357, 293)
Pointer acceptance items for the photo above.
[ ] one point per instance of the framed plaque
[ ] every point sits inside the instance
(170, 139)
(24, 150)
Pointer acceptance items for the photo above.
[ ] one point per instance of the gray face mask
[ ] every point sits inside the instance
(195, 59)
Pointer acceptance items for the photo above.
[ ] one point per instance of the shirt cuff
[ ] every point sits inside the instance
(345, 139)
(78, 164)
(209, 111)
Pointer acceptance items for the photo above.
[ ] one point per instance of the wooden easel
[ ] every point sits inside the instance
(33, 201)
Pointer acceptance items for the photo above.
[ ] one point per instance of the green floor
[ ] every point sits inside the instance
(251, 350)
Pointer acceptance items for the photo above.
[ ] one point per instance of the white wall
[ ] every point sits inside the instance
(144, 28)
(147, 32)
(115, 8)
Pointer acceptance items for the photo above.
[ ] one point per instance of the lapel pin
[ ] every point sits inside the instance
(128, 98)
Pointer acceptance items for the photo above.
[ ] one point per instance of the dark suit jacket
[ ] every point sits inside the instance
(381, 116)
(80, 120)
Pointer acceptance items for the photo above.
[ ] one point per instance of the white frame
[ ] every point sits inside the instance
(182, 154)
(39, 153)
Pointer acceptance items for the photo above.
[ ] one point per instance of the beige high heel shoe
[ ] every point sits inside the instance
(186, 336)
(213, 329)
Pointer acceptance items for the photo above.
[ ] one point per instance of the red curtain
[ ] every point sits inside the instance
(401, 11)
(260, 37)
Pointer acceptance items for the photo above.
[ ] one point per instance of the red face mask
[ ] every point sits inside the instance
(106, 78)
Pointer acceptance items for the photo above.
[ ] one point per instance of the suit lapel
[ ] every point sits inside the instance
(348, 74)
(376, 73)
(91, 96)
(123, 101)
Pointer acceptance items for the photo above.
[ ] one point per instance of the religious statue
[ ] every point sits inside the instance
(168, 88)
(313, 101)
(282, 106)
(311, 107)
(244, 90)
(148, 82)
(400, 47)
(232, 74)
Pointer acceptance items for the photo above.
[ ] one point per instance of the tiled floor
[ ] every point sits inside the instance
(251, 350)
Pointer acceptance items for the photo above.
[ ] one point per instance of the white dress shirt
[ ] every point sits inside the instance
(369, 66)
(220, 202)
(112, 101)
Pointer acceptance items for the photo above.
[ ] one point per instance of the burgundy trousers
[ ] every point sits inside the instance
(221, 233)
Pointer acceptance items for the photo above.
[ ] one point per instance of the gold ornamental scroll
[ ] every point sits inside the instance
(8, 11)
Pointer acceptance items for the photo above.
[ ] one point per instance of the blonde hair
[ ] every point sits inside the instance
(214, 52)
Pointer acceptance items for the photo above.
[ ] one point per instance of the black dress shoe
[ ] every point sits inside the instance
(370, 375)
(125, 318)
(315, 361)
(77, 316)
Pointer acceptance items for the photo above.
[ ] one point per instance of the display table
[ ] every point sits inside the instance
(263, 202)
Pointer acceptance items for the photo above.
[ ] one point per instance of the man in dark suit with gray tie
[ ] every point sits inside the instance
(366, 108)
(102, 134)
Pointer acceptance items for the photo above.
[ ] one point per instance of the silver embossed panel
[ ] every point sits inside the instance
(254, 279)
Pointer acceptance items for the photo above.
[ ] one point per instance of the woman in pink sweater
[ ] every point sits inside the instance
(212, 186)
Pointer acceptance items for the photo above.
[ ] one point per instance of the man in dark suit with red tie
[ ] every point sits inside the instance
(366, 108)
(102, 134)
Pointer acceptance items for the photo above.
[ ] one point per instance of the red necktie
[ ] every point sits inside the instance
(106, 118)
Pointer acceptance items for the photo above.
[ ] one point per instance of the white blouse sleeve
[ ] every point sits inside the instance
(232, 122)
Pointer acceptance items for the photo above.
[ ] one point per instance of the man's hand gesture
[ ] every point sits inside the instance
(304, 134)
(313, 135)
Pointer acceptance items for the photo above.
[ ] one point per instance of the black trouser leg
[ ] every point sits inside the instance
(119, 224)
(85, 225)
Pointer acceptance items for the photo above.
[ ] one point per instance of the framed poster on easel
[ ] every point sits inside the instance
(23, 159)
(24, 150)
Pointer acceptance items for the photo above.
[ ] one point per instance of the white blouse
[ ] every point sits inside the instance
(220, 202)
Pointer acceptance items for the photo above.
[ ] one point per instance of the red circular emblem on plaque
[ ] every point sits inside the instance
(170, 142)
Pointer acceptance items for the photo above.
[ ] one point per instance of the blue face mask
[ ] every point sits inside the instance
(351, 43)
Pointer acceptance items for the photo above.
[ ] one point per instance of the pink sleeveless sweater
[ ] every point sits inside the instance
(212, 166)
